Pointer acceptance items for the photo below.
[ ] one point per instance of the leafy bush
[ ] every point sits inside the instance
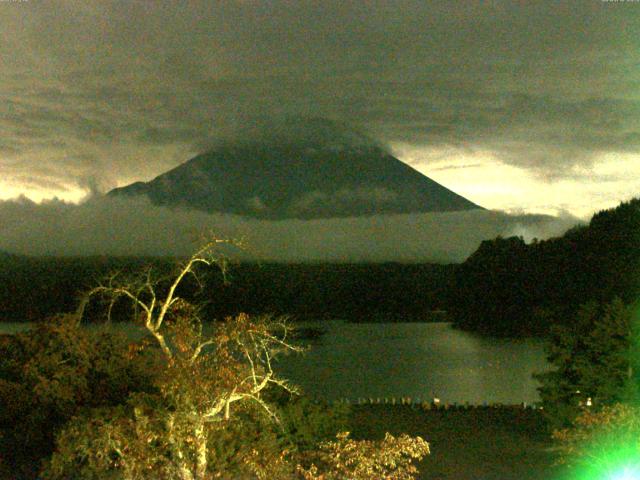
(305, 424)
(50, 373)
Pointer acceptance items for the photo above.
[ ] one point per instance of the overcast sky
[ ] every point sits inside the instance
(527, 106)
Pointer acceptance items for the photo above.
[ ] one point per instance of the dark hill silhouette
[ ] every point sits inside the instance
(299, 168)
(508, 287)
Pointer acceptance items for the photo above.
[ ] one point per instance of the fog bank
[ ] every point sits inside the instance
(117, 226)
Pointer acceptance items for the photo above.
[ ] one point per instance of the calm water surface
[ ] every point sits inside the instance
(418, 360)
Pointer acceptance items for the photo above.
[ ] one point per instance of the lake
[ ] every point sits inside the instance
(417, 360)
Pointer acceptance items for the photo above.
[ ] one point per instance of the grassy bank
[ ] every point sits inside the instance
(478, 444)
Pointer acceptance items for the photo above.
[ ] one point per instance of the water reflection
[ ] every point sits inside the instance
(418, 360)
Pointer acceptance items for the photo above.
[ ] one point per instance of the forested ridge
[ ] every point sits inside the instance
(33, 288)
(509, 287)
(506, 287)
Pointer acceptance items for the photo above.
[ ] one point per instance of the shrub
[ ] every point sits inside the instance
(48, 374)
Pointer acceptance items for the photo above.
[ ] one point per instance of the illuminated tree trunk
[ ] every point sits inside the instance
(185, 473)
(182, 466)
(201, 451)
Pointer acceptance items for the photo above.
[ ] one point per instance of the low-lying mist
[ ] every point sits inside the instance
(121, 226)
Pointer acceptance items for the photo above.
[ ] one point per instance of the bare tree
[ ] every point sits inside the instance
(202, 376)
(202, 380)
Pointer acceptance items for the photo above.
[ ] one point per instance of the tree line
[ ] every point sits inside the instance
(506, 287)
(33, 288)
(509, 287)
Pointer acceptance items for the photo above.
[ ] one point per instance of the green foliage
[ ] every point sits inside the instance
(186, 430)
(304, 423)
(492, 288)
(34, 288)
(87, 447)
(591, 356)
(249, 446)
(48, 374)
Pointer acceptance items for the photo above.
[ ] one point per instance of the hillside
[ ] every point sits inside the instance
(513, 288)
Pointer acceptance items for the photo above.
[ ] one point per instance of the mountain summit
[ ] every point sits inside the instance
(299, 169)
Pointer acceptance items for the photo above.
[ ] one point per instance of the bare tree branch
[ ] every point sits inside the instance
(201, 385)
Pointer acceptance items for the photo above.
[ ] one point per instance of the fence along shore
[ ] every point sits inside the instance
(428, 404)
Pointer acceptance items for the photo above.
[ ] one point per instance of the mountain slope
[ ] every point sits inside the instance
(300, 169)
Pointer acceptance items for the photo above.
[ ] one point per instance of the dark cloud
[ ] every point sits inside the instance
(135, 227)
(545, 86)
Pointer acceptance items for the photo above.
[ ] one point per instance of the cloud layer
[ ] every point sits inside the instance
(106, 92)
(103, 226)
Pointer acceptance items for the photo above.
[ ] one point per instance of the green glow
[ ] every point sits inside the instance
(611, 449)
(627, 473)
(619, 464)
